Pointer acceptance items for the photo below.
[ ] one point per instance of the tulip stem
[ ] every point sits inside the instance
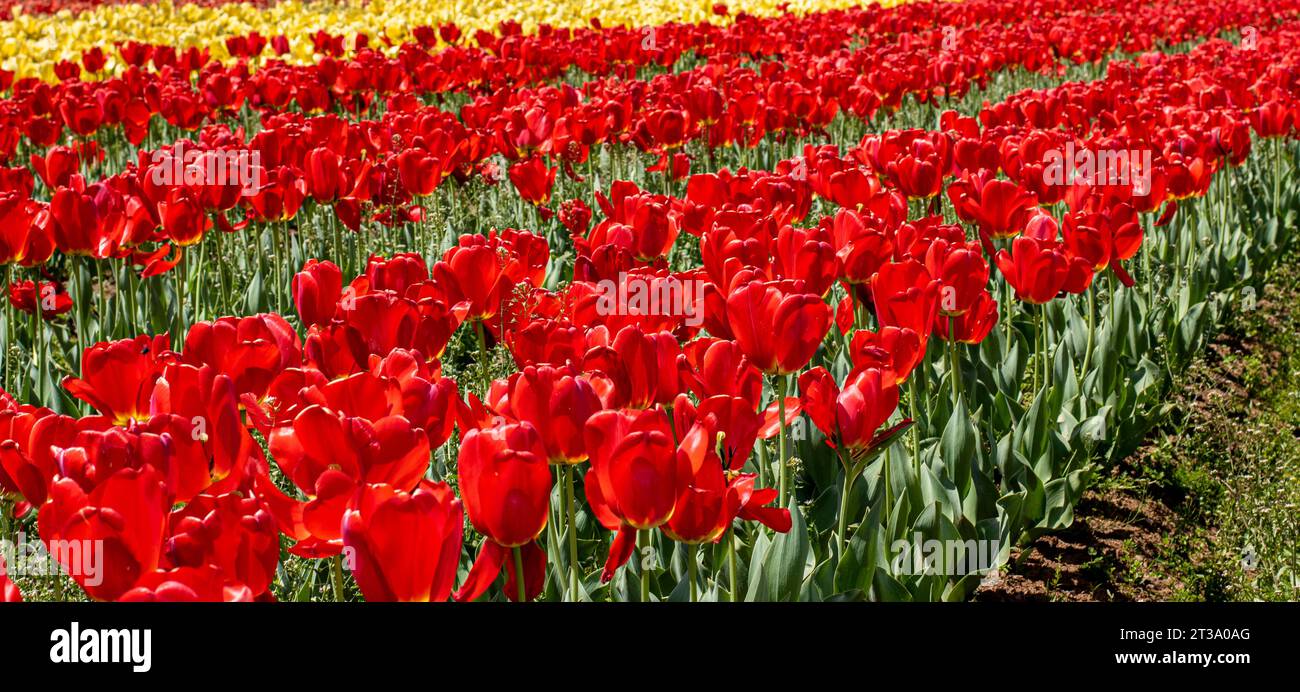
(956, 359)
(178, 283)
(916, 436)
(841, 537)
(31, 393)
(731, 561)
(78, 303)
(1092, 330)
(645, 566)
(782, 445)
(691, 568)
(573, 531)
(10, 325)
(1047, 347)
(518, 558)
(1277, 179)
(885, 473)
(101, 299)
(1038, 353)
(482, 355)
(337, 570)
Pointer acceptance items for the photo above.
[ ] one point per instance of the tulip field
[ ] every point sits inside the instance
(608, 301)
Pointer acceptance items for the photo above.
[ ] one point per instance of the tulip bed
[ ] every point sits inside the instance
(723, 310)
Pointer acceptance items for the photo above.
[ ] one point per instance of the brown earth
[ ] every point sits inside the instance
(1130, 526)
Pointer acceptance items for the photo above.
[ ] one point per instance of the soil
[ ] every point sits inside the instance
(1128, 527)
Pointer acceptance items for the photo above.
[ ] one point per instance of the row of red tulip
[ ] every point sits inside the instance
(905, 52)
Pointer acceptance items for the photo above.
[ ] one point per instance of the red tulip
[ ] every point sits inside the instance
(483, 270)
(251, 350)
(327, 453)
(17, 215)
(233, 532)
(533, 179)
(719, 367)
(118, 377)
(906, 296)
(184, 220)
(962, 272)
(406, 545)
(419, 172)
(643, 368)
(973, 325)
(633, 482)
(557, 403)
(397, 273)
(506, 486)
(88, 222)
(999, 207)
(316, 292)
(126, 511)
(52, 300)
(758, 311)
(860, 248)
(849, 417)
(895, 349)
(8, 590)
(1039, 270)
(205, 584)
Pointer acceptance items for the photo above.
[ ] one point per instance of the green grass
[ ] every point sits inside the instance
(1231, 470)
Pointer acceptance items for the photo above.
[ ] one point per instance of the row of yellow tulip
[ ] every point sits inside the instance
(33, 44)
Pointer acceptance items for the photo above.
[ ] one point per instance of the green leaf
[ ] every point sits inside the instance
(857, 567)
(958, 445)
(783, 566)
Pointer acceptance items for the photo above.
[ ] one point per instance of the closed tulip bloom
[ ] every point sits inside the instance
(1040, 270)
(419, 172)
(533, 179)
(962, 272)
(973, 325)
(896, 349)
(505, 483)
(777, 325)
(558, 403)
(407, 545)
(17, 216)
(316, 292)
(632, 483)
(906, 296)
(397, 273)
(849, 416)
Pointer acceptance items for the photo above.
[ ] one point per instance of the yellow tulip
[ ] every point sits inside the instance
(34, 43)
